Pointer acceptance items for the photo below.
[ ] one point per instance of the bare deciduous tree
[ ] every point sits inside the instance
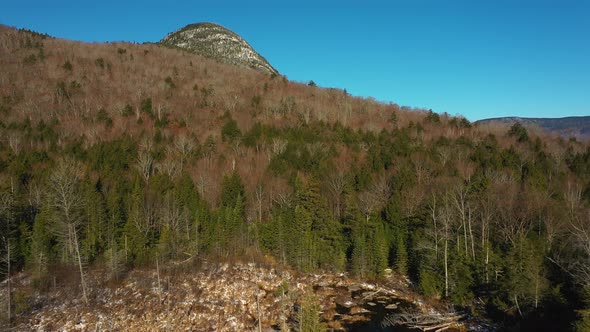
(184, 147)
(447, 224)
(336, 185)
(259, 195)
(461, 203)
(67, 202)
(580, 231)
(367, 203)
(278, 146)
(170, 167)
(145, 164)
(573, 196)
(6, 206)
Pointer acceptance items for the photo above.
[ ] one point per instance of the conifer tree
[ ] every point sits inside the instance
(325, 230)
(308, 317)
(41, 251)
(360, 248)
(302, 245)
(137, 229)
(401, 255)
(380, 249)
(95, 211)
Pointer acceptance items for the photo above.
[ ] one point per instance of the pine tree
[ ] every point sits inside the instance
(401, 255)
(135, 243)
(302, 251)
(41, 251)
(429, 281)
(116, 215)
(189, 202)
(361, 255)
(136, 231)
(94, 241)
(397, 230)
(360, 258)
(380, 249)
(308, 317)
(7, 205)
(582, 323)
(328, 242)
(236, 230)
(231, 189)
(524, 280)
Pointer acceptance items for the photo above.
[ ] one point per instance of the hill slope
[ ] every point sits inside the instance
(573, 126)
(169, 157)
(216, 42)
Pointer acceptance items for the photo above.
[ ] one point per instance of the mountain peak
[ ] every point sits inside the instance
(215, 41)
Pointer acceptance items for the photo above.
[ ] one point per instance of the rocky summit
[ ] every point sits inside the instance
(217, 42)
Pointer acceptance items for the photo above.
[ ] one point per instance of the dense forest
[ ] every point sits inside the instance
(120, 156)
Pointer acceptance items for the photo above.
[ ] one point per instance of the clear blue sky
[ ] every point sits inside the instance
(475, 58)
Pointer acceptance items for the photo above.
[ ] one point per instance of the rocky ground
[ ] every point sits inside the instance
(222, 297)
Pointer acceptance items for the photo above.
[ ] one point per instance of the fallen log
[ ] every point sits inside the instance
(425, 322)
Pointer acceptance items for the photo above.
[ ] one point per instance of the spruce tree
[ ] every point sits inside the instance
(136, 230)
(94, 241)
(302, 245)
(327, 231)
(401, 255)
(41, 250)
(380, 249)
(308, 317)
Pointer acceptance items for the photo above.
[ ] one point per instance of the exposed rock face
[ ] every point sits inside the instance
(214, 41)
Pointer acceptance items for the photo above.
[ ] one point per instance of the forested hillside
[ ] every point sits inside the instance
(576, 127)
(119, 156)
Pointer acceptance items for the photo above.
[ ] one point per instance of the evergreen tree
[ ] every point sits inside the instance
(302, 251)
(137, 229)
(308, 317)
(41, 244)
(94, 241)
(398, 234)
(401, 255)
(380, 249)
(524, 283)
(360, 257)
(583, 320)
(231, 189)
(326, 232)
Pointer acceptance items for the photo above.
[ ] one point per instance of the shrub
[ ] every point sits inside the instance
(432, 117)
(169, 83)
(68, 66)
(519, 132)
(99, 63)
(103, 116)
(31, 59)
(127, 110)
(230, 131)
(146, 107)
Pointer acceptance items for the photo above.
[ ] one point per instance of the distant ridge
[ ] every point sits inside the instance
(571, 126)
(217, 42)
